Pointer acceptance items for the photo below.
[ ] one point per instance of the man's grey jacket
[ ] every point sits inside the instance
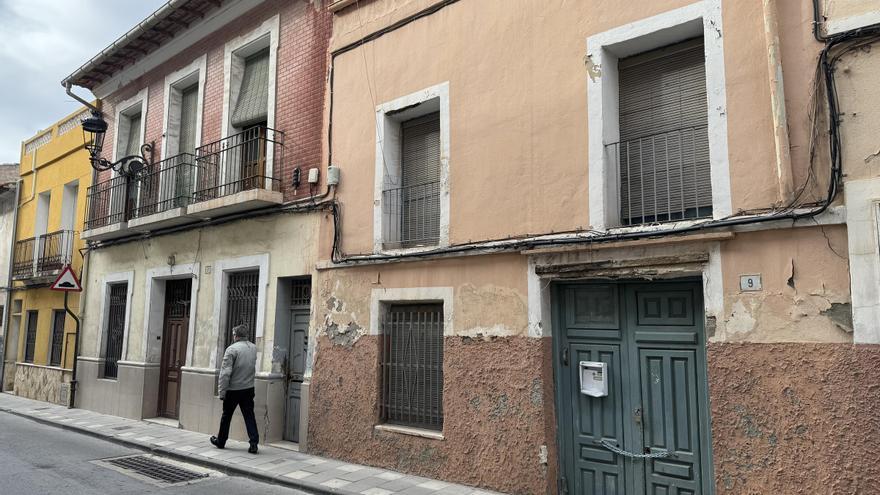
(239, 367)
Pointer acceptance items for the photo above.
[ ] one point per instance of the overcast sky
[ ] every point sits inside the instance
(43, 41)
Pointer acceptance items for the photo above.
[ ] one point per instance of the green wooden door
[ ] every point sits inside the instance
(651, 337)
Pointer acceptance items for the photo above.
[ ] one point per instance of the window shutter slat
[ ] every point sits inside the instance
(134, 135)
(420, 177)
(188, 107)
(253, 97)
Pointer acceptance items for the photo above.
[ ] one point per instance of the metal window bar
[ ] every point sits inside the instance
(106, 202)
(239, 163)
(115, 329)
(165, 185)
(178, 298)
(412, 215)
(30, 342)
(663, 177)
(241, 302)
(301, 292)
(412, 366)
(58, 319)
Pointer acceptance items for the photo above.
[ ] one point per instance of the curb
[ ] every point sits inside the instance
(276, 479)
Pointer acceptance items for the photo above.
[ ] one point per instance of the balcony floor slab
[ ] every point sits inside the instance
(235, 203)
(112, 231)
(168, 218)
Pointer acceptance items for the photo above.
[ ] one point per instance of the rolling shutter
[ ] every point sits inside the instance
(253, 96)
(420, 174)
(663, 151)
(188, 107)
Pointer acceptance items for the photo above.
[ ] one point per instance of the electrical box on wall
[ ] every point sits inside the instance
(332, 175)
(313, 175)
(594, 378)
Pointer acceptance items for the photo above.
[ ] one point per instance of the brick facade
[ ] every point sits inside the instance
(304, 32)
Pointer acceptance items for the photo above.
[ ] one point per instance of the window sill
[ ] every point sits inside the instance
(408, 430)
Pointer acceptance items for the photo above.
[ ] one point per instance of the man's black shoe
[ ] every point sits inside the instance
(252, 449)
(216, 443)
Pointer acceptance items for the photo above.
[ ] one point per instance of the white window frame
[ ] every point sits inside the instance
(112, 278)
(603, 51)
(222, 269)
(154, 305)
(862, 199)
(126, 108)
(389, 116)
(175, 83)
(234, 54)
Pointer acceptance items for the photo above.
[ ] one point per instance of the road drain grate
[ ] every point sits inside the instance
(155, 470)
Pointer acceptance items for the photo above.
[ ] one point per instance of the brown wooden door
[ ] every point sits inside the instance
(174, 342)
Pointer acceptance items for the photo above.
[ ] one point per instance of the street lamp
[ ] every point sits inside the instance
(94, 128)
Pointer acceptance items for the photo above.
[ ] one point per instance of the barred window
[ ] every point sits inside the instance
(30, 337)
(58, 317)
(242, 295)
(115, 328)
(412, 366)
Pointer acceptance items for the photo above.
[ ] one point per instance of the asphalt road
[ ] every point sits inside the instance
(37, 459)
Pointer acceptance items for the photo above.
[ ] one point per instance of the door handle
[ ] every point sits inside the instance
(637, 417)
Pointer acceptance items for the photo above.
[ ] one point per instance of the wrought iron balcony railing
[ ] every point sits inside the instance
(42, 256)
(412, 216)
(165, 185)
(237, 163)
(663, 177)
(107, 202)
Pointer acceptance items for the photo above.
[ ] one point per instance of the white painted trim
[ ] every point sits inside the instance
(379, 297)
(862, 199)
(154, 309)
(408, 430)
(222, 268)
(713, 284)
(841, 25)
(539, 311)
(108, 279)
(213, 21)
(197, 67)
(265, 35)
(603, 51)
(388, 156)
(125, 108)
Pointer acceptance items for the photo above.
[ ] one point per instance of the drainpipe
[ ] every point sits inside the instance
(6, 317)
(784, 178)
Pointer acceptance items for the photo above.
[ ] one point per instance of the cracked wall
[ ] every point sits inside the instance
(805, 295)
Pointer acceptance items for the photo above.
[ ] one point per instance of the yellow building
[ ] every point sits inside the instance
(55, 174)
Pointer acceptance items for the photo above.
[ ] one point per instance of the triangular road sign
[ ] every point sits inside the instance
(67, 281)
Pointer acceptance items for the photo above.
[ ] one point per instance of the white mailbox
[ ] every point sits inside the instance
(594, 378)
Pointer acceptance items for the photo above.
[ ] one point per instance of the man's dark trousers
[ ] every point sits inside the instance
(245, 400)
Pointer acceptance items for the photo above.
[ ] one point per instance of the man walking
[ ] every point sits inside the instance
(236, 387)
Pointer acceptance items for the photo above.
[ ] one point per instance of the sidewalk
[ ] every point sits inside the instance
(273, 465)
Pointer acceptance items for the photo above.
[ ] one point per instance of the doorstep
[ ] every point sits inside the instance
(313, 474)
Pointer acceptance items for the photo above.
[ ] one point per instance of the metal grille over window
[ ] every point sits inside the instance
(252, 105)
(412, 366)
(412, 211)
(58, 317)
(31, 337)
(115, 328)
(663, 153)
(301, 292)
(178, 299)
(241, 301)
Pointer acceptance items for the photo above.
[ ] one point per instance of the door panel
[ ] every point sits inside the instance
(651, 336)
(669, 397)
(175, 334)
(298, 341)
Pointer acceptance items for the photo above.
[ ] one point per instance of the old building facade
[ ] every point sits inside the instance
(601, 247)
(220, 228)
(39, 342)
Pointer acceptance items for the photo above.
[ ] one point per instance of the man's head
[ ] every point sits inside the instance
(239, 332)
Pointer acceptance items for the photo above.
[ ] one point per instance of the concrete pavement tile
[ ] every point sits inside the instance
(360, 474)
(335, 483)
(434, 484)
(322, 477)
(376, 491)
(185, 448)
(399, 485)
(364, 484)
(417, 490)
(390, 476)
(455, 490)
(298, 475)
(287, 467)
(351, 467)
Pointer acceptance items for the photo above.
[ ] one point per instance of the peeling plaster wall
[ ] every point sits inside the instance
(805, 278)
(795, 418)
(290, 241)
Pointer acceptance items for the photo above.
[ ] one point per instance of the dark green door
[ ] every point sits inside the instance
(649, 435)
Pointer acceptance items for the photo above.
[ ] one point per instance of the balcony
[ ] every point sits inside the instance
(107, 204)
(162, 193)
(40, 259)
(412, 216)
(233, 173)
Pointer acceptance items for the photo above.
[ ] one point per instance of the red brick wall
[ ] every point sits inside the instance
(304, 33)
